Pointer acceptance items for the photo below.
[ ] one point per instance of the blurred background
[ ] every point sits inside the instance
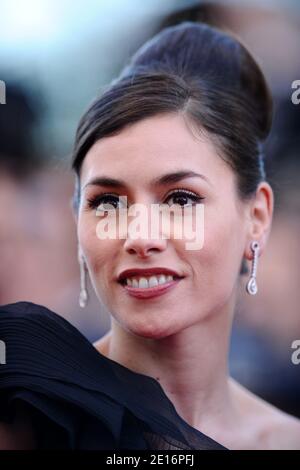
(55, 57)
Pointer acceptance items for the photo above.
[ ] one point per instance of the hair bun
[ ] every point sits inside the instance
(198, 51)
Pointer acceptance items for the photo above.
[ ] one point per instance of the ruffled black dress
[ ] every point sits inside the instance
(78, 398)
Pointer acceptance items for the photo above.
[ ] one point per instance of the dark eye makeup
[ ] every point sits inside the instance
(179, 196)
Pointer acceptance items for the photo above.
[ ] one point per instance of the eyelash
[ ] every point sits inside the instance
(94, 202)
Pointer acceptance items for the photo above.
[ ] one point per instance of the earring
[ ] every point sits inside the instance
(251, 287)
(83, 295)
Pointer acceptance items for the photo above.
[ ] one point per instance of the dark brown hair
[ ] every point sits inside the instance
(206, 75)
(201, 72)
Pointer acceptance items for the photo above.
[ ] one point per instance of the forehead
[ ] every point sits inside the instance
(155, 145)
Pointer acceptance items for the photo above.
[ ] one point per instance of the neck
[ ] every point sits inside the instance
(191, 367)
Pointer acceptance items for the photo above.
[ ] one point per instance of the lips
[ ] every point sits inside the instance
(147, 272)
(150, 292)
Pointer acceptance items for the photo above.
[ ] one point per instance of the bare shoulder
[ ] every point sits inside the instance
(18, 435)
(270, 427)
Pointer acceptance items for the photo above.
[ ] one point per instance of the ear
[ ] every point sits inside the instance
(74, 202)
(260, 217)
(80, 256)
(74, 211)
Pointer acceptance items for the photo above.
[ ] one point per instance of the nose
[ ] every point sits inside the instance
(141, 243)
(143, 248)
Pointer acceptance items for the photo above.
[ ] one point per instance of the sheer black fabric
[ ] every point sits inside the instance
(78, 398)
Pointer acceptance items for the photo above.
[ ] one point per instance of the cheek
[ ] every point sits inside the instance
(225, 251)
(98, 253)
(216, 265)
(99, 256)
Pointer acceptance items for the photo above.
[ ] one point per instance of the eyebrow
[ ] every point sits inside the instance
(168, 178)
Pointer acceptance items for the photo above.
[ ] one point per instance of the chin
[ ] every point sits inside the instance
(150, 329)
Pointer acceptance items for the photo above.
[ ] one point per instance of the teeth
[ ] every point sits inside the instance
(162, 279)
(151, 281)
(143, 283)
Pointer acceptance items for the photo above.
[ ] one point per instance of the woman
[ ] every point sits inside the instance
(182, 127)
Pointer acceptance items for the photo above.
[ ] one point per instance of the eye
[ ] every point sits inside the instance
(106, 202)
(182, 196)
(109, 201)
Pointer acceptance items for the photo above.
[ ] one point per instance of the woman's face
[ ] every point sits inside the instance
(138, 156)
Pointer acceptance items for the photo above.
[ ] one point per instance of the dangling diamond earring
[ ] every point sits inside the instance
(83, 295)
(251, 287)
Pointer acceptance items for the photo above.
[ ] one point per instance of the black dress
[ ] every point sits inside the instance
(78, 398)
